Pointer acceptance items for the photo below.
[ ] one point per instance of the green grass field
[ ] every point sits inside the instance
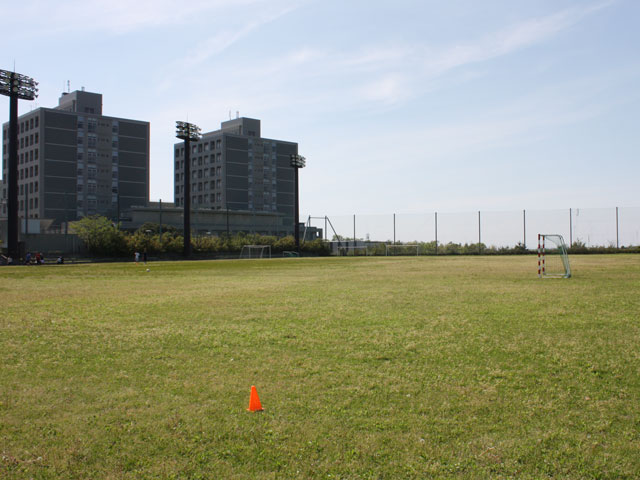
(467, 367)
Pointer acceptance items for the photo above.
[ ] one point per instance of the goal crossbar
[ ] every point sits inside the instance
(255, 251)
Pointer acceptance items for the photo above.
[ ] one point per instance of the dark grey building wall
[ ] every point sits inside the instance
(75, 176)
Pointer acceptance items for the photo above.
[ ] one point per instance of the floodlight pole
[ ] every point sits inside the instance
(12, 199)
(187, 132)
(186, 200)
(297, 162)
(14, 86)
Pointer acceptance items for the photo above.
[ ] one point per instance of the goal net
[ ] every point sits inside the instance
(353, 251)
(553, 260)
(402, 249)
(255, 251)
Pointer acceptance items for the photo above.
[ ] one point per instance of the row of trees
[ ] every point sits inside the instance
(101, 237)
(429, 248)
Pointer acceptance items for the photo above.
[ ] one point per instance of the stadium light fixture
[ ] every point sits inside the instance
(297, 162)
(15, 86)
(188, 132)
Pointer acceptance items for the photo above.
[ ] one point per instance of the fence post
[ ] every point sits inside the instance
(354, 230)
(479, 234)
(524, 228)
(394, 228)
(436, 233)
(617, 231)
(570, 229)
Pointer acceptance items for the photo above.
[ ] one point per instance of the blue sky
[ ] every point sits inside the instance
(404, 106)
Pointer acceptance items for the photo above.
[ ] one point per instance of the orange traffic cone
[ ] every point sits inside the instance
(254, 401)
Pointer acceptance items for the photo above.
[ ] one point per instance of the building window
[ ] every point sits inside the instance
(37, 118)
(35, 186)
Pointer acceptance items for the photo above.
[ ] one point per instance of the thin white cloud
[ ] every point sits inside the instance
(115, 16)
(509, 40)
(223, 39)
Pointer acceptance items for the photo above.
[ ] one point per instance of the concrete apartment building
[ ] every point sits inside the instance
(73, 161)
(235, 168)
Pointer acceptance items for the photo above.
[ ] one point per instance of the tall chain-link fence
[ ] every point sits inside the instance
(593, 227)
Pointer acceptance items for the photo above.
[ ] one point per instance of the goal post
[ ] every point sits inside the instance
(255, 251)
(402, 249)
(553, 260)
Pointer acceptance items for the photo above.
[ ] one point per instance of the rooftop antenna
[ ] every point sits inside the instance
(237, 114)
(68, 86)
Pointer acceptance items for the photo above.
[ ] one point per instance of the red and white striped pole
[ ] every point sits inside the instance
(539, 271)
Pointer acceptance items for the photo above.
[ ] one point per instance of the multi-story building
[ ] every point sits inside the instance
(73, 161)
(235, 168)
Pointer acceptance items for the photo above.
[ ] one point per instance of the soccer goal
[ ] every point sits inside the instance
(402, 249)
(553, 260)
(255, 251)
(353, 251)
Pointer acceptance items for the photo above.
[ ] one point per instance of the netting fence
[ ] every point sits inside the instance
(592, 227)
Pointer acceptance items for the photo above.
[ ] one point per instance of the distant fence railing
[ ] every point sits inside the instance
(593, 227)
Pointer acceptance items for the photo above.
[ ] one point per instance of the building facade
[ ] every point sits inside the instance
(73, 161)
(235, 169)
